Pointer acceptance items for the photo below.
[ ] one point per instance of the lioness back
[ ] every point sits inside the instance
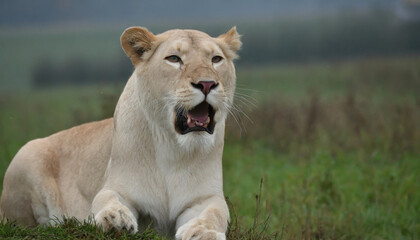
(62, 161)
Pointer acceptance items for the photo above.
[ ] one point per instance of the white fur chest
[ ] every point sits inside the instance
(177, 183)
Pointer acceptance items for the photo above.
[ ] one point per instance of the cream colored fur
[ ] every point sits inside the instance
(135, 169)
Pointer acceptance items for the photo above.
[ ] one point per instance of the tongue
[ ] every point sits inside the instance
(199, 115)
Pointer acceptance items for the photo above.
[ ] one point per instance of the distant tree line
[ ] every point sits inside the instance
(79, 71)
(332, 37)
(293, 39)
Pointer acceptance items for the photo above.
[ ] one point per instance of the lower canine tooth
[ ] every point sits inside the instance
(208, 120)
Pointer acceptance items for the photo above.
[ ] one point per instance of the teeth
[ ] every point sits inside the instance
(192, 123)
(206, 124)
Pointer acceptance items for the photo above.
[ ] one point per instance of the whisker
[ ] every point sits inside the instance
(234, 117)
(245, 96)
(249, 89)
(239, 110)
(245, 101)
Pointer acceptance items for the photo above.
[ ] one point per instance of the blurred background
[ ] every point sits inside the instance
(327, 108)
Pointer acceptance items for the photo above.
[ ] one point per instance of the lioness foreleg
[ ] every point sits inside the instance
(112, 211)
(205, 220)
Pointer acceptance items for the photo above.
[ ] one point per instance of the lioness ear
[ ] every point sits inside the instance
(136, 41)
(232, 39)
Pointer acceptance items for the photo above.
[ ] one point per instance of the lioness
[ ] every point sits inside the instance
(158, 160)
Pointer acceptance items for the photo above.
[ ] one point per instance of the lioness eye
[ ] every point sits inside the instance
(216, 59)
(174, 59)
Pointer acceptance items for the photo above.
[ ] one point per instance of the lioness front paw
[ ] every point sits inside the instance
(116, 217)
(196, 229)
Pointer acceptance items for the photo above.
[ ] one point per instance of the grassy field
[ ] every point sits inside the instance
(336, 144)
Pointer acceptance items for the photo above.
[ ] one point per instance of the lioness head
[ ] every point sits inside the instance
(185, 80)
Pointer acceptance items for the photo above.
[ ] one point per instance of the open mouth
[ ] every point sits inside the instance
(200, 118)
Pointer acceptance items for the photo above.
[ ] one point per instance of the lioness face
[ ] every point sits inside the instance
(187, 79)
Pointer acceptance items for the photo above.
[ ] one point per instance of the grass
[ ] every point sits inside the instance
(327, 196)
(70, 229)
(337, 144)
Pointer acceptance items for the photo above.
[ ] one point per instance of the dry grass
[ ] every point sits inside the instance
(259, 230)
(342, 125)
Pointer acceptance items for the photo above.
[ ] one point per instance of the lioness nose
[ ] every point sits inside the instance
(205, 86)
